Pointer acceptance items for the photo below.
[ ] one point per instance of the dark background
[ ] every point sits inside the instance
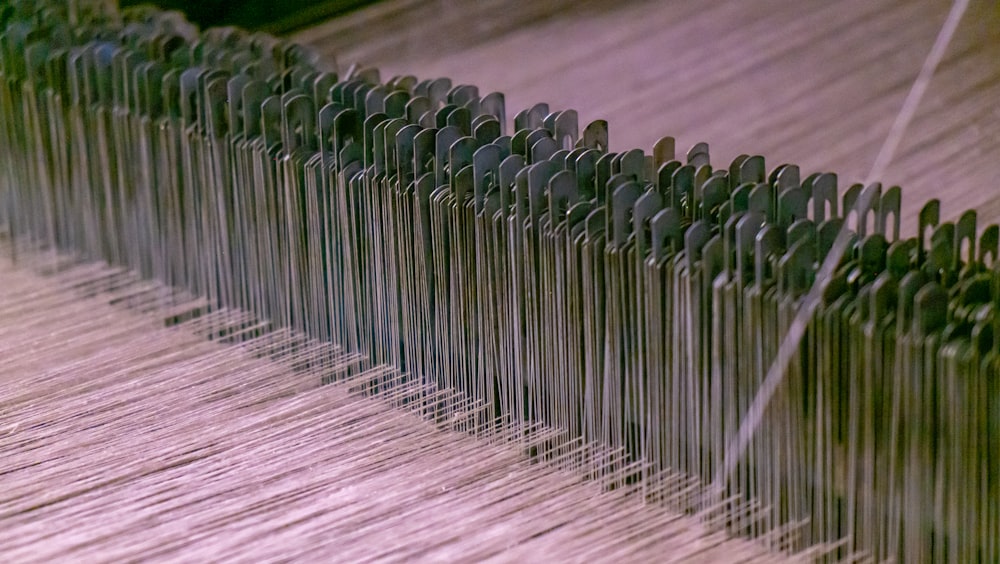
(274, 16)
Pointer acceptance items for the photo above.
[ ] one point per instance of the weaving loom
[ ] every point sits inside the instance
(257, 306)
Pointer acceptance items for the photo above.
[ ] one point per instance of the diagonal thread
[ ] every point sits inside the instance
(796, 331)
